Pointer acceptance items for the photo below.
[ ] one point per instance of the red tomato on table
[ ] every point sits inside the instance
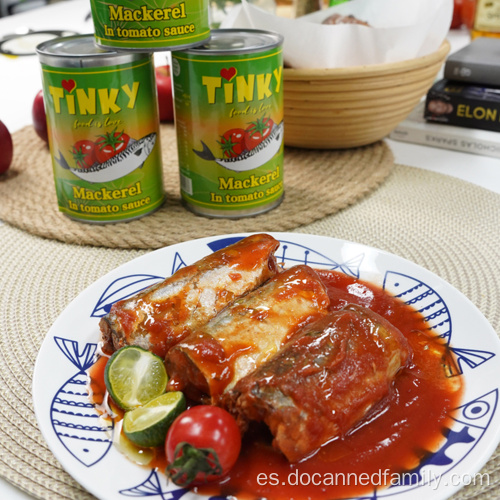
(257, 132)
(6, 148)
(84, 153)
(202, 445)
(233, 143)
(165, 97)
(110, 144)
(39, 117)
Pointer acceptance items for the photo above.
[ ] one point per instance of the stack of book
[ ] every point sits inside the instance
(462, 110)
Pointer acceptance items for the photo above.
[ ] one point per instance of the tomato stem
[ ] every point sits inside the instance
(190, 461)
(112, 139)
(259, 126)
(227, 146)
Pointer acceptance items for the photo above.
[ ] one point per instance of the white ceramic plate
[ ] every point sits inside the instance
(70, 425)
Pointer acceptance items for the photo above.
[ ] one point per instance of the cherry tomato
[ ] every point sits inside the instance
(84, 153)
(257, 132)
(110, 144)
(202, 445)
(233, 143)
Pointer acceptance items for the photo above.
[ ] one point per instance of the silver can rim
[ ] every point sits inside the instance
(269, 40)
(56, 52)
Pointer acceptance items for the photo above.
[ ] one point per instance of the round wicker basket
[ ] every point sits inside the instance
(343, 108)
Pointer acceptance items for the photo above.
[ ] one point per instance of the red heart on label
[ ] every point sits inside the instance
(68, 85)
(228, 73)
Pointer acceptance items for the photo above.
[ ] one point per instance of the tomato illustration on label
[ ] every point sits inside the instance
(232, 142)
(110, 144)
(244, 150)
(257, 132)
(83, 152)
(128, 155)
(229, 122)
(101, 111)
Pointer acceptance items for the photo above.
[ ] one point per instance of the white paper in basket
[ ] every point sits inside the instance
(399, 30)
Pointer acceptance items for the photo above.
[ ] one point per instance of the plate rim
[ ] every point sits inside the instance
(488, 448)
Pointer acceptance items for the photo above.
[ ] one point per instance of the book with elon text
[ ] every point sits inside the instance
(417, 130)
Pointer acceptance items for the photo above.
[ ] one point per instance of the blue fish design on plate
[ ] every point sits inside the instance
(83, 445)
(431, 305)
(290, 254)
(73, 417)
(152, 487)
(423, 298)
(122, 288)
(127, 286)
(472, 419)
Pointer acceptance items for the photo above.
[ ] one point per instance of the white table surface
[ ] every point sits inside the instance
(20, 80)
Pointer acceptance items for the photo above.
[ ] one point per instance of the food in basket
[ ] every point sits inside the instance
(161, 316)
(246, 334)
(340, 19)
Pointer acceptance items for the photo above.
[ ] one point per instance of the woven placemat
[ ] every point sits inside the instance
(444, 224)
(317, 183)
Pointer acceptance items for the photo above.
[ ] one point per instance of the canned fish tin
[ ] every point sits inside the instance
(103, 127)
(229, 119)
(151, 25)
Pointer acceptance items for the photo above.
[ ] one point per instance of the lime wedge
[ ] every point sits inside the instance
(147, 426)
(134, 376)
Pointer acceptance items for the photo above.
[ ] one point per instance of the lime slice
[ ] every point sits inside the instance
(134, 376)
(147, 426)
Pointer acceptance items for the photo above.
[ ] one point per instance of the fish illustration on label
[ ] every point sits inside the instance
(228, 97)
(248, 159)
(103, 128)
(117, 166)
(73, 416)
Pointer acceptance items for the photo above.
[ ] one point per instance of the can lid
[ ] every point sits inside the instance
(237, 41)
(80, 51)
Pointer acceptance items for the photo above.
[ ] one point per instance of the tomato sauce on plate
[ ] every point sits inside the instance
(394, 438)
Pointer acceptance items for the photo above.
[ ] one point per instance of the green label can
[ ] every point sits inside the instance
(229, 119)
(103, 127)
(151, 25)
